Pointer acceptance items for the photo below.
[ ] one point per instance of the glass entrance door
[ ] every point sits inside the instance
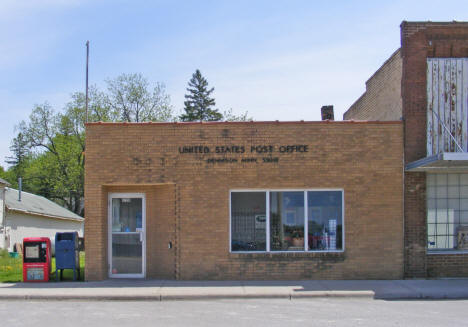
(127, 235)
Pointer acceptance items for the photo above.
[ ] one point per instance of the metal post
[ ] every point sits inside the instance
(20, 186)
(87, 62)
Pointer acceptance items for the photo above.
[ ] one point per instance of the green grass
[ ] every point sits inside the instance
(11, 269)
(68, 273)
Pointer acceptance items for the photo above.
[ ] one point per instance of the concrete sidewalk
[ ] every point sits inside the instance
(164, 290)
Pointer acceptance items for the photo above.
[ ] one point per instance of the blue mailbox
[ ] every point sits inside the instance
(67, 254)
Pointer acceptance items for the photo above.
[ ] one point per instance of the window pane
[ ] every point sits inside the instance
(441, 179)
(286, 221)
(464, 217)
(464, 179)
(453, 192)
(248, 221)
(431, 192)
(431, 180)
(441, 204)
(431, 216)
(464, 191)
(430, 229)
(441, 191)
(453, 179)
(325, 220)
(431, 244)
(450, 206)
(454, 203)
(443, 229)
(431, 204)
(463, 204)
(444, 242)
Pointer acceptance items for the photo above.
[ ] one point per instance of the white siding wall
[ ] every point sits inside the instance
(2, 214)
(447, 104)
(22, 226)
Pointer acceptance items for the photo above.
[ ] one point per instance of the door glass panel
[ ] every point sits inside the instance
(127, 236)
(126, 215)
(126, 253)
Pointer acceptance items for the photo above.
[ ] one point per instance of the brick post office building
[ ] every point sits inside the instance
(244, 200)
(425, 83)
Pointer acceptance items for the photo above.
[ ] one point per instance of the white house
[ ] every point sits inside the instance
(23, 214)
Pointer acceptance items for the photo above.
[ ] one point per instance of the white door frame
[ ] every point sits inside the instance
(142, 196)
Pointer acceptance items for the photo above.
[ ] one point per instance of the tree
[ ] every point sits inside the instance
(56, 170)
(20, 149)
(199, 105)
(8, 175)
(228, 115)
(99, 108)
(132, 101)
(51, 145)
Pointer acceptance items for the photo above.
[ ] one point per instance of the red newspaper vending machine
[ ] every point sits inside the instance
(36, 259)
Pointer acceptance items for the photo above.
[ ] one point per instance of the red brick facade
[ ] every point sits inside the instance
(187, 196)
(419, 41)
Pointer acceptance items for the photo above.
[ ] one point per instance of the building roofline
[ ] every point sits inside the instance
(4, 182)
(358, 99)
(428, 22)
(329, 122)
(11, 207)
(33, 213)
(397, 51)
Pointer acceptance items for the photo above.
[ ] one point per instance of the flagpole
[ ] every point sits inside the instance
(87, 62)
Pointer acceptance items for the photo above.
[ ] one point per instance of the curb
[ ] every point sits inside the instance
(188, 297)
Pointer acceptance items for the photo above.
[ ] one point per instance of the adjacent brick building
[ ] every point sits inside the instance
(426, 82)
(244, 200)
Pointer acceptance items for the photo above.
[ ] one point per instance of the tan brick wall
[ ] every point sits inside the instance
(382, 99)
(192, 209)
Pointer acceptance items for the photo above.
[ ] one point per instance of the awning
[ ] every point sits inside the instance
(445, 162)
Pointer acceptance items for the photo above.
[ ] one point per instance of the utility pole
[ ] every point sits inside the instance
(87, 62)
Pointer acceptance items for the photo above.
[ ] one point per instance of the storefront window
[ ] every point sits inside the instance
(287, 221)
(248, 221)
(279, 221)
(447, 211)
(325, 223)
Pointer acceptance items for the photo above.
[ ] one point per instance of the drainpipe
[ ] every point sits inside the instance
(2, 195)
(20, 186)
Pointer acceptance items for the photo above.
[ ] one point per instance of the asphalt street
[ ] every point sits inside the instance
(258, 313)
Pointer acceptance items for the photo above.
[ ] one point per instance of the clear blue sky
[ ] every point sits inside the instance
(275, 59)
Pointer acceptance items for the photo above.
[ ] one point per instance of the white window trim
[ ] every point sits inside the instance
(306, 217)
(446, 252)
